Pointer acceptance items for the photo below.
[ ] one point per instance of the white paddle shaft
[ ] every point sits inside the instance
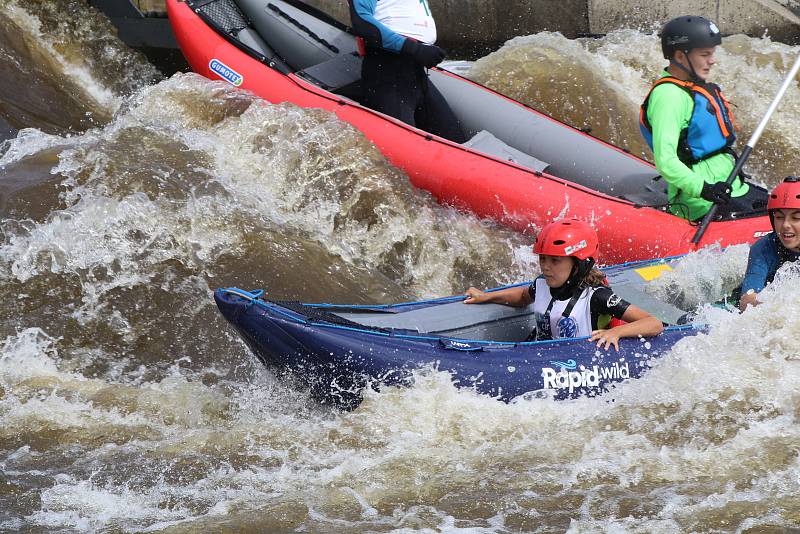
(774, 105)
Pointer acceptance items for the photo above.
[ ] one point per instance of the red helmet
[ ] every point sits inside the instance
(569, 237)
(786, 195)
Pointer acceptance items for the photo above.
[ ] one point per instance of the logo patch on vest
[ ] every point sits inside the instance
(567, 327)
(225, 72)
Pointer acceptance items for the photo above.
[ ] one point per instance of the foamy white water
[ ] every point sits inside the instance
(128, 405)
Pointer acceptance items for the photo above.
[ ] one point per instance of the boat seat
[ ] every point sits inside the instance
(642, 189)
(490, 322)
(487, 143)
(300, 35)
(339, 74)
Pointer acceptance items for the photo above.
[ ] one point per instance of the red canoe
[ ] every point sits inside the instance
(521, 167)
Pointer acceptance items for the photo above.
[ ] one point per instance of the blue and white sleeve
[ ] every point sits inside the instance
(362, 14)
(763, 256)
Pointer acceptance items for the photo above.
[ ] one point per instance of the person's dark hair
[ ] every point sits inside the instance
(595, 277)
(585, 274)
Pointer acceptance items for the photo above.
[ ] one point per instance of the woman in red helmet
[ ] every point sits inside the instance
(780, 246)
(570, 298)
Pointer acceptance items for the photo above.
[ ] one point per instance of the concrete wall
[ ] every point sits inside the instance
(466, 23)
(476, 23)
(778, 18)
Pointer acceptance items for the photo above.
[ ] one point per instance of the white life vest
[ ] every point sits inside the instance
(411, 18)
(551, 320)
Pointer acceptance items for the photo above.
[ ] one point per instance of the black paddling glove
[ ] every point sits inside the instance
(718, 193)
(426, 55)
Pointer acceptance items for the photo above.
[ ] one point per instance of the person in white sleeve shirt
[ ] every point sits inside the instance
(399, 37)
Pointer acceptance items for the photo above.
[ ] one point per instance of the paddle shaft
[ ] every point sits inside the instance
(748, 148)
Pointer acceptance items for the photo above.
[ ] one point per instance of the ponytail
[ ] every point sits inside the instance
(595, 278)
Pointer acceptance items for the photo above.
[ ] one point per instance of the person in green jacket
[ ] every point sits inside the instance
(689, 126)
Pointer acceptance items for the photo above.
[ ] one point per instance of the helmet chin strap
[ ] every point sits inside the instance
(690, 71)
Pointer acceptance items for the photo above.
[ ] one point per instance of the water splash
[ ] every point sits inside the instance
(708, 275)
(74, 71)
(600, 83)
(562, 77)
(128, 405)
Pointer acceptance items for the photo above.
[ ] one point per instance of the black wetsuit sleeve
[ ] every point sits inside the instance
(605, 302)
(532, 291)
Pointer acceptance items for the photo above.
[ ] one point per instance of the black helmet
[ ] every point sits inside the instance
(688, 32)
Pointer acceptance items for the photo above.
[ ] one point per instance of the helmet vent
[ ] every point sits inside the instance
(559, 242)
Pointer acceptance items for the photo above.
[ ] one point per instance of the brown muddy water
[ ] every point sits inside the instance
(128, 405)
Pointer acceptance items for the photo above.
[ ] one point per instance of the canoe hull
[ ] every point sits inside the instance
(467, 179)
(336, 362)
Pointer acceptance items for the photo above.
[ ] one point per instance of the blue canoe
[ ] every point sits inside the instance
(337, 350)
